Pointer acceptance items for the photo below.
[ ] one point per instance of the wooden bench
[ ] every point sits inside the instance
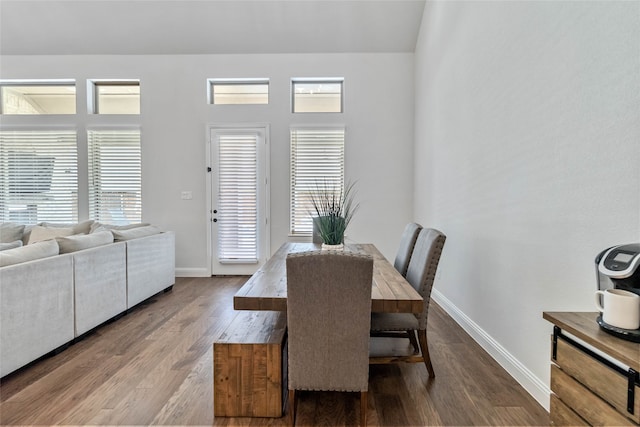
(249, 366)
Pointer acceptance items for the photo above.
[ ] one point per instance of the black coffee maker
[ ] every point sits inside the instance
(618, 267)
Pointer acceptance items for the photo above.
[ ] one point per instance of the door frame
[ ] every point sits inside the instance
(264, 247)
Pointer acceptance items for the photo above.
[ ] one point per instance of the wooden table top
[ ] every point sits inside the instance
(267, 288)
(583, 325)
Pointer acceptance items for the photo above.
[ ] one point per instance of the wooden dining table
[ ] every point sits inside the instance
(267, 288)
(250, 354)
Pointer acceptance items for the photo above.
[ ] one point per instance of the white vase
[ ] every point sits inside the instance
(338, 247)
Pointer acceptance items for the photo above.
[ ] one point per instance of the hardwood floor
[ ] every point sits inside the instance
(154, 366)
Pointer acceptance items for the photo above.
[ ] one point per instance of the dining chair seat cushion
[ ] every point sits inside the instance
(393, 322)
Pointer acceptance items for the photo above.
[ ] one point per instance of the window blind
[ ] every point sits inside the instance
(317, 157)
(115, 176)
(237, 198)
(38, 176)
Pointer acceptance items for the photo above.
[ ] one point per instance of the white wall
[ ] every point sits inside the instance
(528, 158)
(378, 115)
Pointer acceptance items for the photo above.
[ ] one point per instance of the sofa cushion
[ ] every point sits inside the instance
(98, 226)
(10, 245)
(10, 232)
(40, 233)
(43, 249)
(135, 233)
(83, 227)
(84, 241)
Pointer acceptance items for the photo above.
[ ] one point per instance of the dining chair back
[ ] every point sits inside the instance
(421, 271)
(328, 319)
(407, 243)
(421, 274)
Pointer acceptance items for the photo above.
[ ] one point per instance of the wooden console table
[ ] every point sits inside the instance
(594, 375)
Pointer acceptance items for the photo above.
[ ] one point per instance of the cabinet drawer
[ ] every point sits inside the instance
(562, 415)
(586, 404)
(598, 377)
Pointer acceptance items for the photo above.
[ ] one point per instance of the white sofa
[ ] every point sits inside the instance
(48, 302)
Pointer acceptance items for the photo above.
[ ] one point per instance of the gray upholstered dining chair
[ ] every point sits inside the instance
(328, 320)
(421, 274)
(407, 243)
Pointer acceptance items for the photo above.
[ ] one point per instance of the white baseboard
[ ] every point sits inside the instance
(531, 383)
(192, 272)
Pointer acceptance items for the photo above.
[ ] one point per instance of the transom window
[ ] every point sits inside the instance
(116, 97)
(238, 91)
(317, 95)
(38, 97)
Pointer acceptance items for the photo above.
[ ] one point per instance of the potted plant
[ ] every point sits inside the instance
(332, 210)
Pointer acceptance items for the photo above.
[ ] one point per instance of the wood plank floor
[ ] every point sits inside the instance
(154, 366)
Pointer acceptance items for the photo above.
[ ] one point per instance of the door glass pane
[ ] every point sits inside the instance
(237, 198)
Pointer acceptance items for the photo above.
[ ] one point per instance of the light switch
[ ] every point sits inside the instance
(186, 195)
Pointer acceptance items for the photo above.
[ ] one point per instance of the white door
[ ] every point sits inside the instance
(239, 199)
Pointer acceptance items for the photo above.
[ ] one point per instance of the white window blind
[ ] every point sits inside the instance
(237, 198)
(115, 176)
(38, 176)
(317, 157)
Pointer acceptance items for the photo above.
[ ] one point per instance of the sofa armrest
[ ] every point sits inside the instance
(36, 310)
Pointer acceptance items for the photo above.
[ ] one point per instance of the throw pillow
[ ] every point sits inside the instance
(135, 233)
(10, 245)
(10, 232)
(84, 241)
(40, 233)
(37, 250)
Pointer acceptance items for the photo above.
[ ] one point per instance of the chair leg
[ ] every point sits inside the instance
(292, 407)
(422, 337)
(363, 408)
(414, 341)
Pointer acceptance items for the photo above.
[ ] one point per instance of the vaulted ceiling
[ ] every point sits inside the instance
(60, 27)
